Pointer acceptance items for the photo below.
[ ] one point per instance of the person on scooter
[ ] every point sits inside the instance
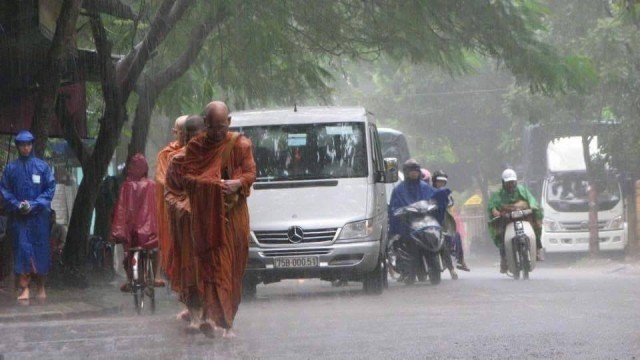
(409, 191)
(512, 193)
(453, 239)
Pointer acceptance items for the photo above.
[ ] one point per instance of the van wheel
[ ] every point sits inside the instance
(249, 288)
(374, 282)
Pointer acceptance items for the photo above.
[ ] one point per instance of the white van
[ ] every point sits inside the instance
(318, 207)
(565, 202)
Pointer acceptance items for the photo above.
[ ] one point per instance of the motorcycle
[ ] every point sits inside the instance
(519, 242)
(419, 253)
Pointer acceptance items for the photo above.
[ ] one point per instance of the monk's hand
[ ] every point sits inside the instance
(495, 213)
(231, 186)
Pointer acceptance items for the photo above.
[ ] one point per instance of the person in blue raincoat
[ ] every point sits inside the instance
(411, 190)
(27, 187)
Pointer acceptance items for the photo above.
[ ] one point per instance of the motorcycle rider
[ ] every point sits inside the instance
(409, 191)
(452, 239)
(513, 193)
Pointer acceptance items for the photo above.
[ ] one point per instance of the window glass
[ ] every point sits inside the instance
(308, 151)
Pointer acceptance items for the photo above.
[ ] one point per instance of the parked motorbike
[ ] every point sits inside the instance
(419, 253)
(519, 242)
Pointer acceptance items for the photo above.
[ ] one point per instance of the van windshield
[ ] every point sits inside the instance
(568, 192)
(308, 151)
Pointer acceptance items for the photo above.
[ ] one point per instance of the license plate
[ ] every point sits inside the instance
(296, 262)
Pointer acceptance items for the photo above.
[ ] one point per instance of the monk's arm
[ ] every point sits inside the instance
(174, 194)
(248, 166)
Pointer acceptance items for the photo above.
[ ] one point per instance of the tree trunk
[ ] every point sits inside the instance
(147, 97)
(594, 237)
(48, 78)
(75, 250)
(150, 89)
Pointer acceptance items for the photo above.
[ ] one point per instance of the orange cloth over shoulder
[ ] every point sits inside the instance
(164, 240)
(220, 236)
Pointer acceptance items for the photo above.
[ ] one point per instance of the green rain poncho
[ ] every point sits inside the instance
(502, 197)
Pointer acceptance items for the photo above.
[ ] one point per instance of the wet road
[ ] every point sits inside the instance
(561, 313)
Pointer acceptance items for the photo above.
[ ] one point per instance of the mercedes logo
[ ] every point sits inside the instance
(295, 234)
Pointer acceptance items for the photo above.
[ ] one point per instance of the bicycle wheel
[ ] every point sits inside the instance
(137, 283)
(149, 290)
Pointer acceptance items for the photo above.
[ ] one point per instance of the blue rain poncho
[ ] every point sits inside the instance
(29, 178)
(409, 192)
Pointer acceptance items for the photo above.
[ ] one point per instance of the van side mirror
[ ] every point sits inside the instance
(390, 170)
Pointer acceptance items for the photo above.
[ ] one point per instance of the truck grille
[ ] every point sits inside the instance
(581, 225)
(281, 237)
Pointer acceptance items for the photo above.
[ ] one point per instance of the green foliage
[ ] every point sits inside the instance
(607, 37)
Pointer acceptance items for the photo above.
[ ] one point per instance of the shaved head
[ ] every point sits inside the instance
(178, 128)
(217, 120)
(193, 126)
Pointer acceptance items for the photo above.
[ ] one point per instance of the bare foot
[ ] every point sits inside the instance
(184, 315)
(229, 334)
(42, 294)
(194, 326)
(24, 295)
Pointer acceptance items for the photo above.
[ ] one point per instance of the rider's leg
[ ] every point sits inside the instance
(155, 262)
(459, 252)
(445, 255)
(540, 252)
(503, 259)
(126, 287)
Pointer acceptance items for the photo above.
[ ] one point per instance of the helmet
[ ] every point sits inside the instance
(410, 165)
(23, 137)
(440, 175)
(509, 175)
(426, 175)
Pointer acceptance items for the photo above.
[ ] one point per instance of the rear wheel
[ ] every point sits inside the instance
(249, 288)
(137, 282)
(526, 259)
(435, 271)
(138, 297)
(374, 282)
(149, 290)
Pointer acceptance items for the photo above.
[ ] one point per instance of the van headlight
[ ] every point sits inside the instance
(358, 230)
(617, 223)
(551, 225)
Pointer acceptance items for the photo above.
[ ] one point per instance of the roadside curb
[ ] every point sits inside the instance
(60, 311)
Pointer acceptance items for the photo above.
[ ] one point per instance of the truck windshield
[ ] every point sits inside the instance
(568, 193)
(308, 151)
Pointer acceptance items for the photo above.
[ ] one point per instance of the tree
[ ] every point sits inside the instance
(255, 42)
(607, 33)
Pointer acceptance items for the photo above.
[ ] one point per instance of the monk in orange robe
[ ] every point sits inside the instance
(162, 162)
(183, 280)
(217, 173)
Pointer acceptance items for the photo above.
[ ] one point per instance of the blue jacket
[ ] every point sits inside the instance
(409, 192)
(29, 178)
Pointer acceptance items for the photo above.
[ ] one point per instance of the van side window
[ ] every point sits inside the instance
(378, 160)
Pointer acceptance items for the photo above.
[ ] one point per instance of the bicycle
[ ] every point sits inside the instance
(143, 279)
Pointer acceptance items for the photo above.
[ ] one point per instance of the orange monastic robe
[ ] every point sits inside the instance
(164, 239)
(220, 235)
(183, 279)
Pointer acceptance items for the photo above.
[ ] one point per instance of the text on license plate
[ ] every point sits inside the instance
(296, 262)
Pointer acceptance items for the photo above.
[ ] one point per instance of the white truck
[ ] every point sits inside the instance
(564, 201)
